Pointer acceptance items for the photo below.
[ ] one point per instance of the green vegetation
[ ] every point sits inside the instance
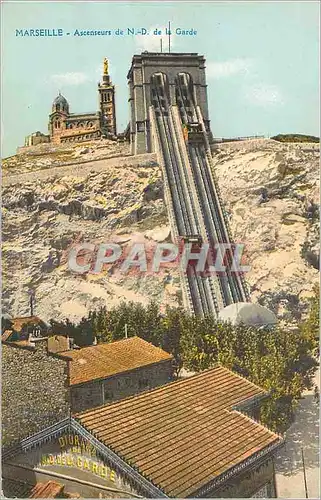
(295, 138)
(280, 360)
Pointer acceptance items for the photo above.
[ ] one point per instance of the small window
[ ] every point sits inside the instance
(140, 126)
(143, 383)
(108, 395)
(58, 107)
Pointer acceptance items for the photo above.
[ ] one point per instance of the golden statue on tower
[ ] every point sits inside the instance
(105, 66)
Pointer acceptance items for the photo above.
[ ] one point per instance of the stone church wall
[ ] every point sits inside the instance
(35, 392)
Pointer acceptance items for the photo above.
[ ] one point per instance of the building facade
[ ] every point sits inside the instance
(36, 138)
(122, 385)
(182, 440)
(143, 67)
(79, 127)
(111, 371)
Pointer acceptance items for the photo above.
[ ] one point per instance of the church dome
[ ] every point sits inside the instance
(247, 313)
(60, 104)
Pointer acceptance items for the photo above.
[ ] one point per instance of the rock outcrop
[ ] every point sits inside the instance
(271, 196)
(271, 192)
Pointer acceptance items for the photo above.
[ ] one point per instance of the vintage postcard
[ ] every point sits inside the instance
(160, 249)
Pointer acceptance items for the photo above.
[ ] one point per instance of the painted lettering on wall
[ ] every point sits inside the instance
(77, 444)
(83, 463)
(74, 451)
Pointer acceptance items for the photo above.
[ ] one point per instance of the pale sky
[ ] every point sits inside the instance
(261, 61)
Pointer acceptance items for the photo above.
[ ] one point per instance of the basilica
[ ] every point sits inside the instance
(64, 126)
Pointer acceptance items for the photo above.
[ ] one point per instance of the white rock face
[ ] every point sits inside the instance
(270, 192)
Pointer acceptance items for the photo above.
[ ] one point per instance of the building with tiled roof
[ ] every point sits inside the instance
(20, 322)
(24, 327)
(109, 359)
(49, 489)
(186, 436)
(111, 371)
(191, 438)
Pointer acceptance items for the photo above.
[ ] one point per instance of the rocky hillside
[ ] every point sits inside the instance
(55, 198)
(272, 195)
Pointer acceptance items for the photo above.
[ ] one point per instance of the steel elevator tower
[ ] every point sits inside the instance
(169, 116)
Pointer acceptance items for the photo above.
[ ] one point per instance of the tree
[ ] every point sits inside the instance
(6, 324)
(310, 328)
(280, 360)
(82, 333)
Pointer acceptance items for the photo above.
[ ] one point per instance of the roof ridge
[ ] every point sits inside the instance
(153, 389)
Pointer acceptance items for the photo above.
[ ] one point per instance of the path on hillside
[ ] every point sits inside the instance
(81, 168)
(303, 433)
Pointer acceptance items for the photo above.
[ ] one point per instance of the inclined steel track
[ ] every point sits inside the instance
(184, 204)
(192, 197)
(232, 284)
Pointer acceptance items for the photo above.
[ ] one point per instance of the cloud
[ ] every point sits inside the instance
(226, 69)
(264, 95)
(70, 79)
(152, 42)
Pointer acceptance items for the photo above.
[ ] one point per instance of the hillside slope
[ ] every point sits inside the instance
(103, 195)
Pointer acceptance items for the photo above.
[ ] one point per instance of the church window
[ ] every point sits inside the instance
(58, 107)
(108, 97)
(58, 124)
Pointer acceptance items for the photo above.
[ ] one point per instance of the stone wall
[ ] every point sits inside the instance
(35, 392)
(36, 139)
(249, 483)
(99, 392)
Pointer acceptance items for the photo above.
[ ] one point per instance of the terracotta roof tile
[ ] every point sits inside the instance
(6, 334)
(186, 433)
(105, 360)
(25, 320)
(50, 489)
(21, 343)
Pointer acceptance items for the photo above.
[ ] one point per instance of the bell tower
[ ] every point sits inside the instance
(107, 103)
